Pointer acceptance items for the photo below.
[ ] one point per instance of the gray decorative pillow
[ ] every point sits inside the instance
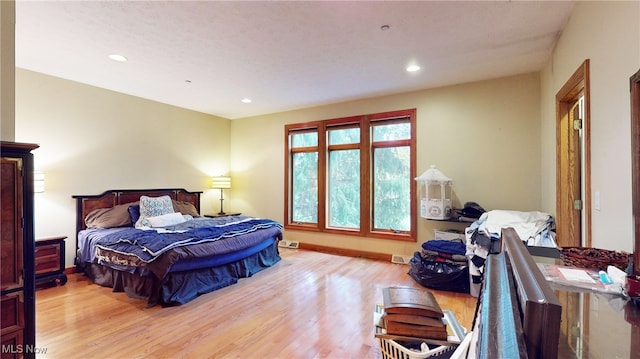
(153, 207)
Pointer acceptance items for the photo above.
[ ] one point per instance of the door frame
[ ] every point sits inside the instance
(634, 88)
(576, 86)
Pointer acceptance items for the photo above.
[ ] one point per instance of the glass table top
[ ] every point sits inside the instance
(594, 324)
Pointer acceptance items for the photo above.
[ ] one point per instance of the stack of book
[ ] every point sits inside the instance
(413, 313)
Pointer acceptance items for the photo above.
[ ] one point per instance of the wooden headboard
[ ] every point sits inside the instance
(87, 203)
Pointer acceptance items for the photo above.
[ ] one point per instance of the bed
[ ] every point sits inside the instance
(131, 241)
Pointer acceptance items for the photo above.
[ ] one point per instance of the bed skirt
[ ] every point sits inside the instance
(182, 286)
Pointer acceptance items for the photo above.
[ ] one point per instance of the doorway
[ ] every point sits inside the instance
(573, 161)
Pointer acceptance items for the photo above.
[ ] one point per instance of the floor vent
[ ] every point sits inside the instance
(288, 244)
(400, 259)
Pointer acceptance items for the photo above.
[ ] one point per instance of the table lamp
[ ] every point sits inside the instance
(221, 183)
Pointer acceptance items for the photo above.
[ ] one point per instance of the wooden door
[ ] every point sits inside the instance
(573, 185)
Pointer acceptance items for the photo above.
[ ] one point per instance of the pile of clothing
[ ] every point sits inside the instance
(534, 228)
(483, 236)
(441, 265)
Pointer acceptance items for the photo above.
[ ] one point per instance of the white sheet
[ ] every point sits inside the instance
(528, 225)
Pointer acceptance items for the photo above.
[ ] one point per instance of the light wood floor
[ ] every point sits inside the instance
(309, 305)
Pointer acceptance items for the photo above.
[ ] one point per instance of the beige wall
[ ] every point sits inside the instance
(479, 134)
(607, 33)
(7, 70)
(93, 139)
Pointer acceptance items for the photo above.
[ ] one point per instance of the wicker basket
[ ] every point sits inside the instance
(392, 349)
(594, 258)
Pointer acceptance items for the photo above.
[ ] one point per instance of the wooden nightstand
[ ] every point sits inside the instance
(49, 260)
(222, 215)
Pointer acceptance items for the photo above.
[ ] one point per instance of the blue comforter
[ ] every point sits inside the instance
(147, 245)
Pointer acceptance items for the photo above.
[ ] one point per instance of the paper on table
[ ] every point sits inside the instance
(561, 275)
(578, 275)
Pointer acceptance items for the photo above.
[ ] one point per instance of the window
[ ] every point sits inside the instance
(304, 170)
(353, 175)
(344, 178)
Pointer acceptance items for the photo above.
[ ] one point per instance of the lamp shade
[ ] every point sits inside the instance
(38, 181)
(221, 182)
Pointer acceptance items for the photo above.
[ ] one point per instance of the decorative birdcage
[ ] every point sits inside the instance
(435, 194)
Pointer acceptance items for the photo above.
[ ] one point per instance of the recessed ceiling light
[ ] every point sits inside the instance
(116, 57)
(246, 100)
(385, 27)
(413, 68)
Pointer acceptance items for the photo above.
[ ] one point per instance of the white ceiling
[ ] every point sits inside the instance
(282, 54)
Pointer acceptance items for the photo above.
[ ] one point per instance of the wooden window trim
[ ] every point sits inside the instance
(366, 147)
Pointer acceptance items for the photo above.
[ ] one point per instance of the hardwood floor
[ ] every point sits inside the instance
(309, 305)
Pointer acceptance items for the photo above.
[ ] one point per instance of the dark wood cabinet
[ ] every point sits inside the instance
(49, 261)
(17, 275)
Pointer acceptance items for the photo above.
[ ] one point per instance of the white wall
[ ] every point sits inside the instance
(93, 139)
(479, 134)
(607, 33)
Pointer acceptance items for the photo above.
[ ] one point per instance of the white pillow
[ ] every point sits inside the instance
(166, 219)
(153, 207)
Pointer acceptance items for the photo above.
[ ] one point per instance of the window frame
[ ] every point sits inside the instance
(366, 123)
(302, 128)
(341, 125)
